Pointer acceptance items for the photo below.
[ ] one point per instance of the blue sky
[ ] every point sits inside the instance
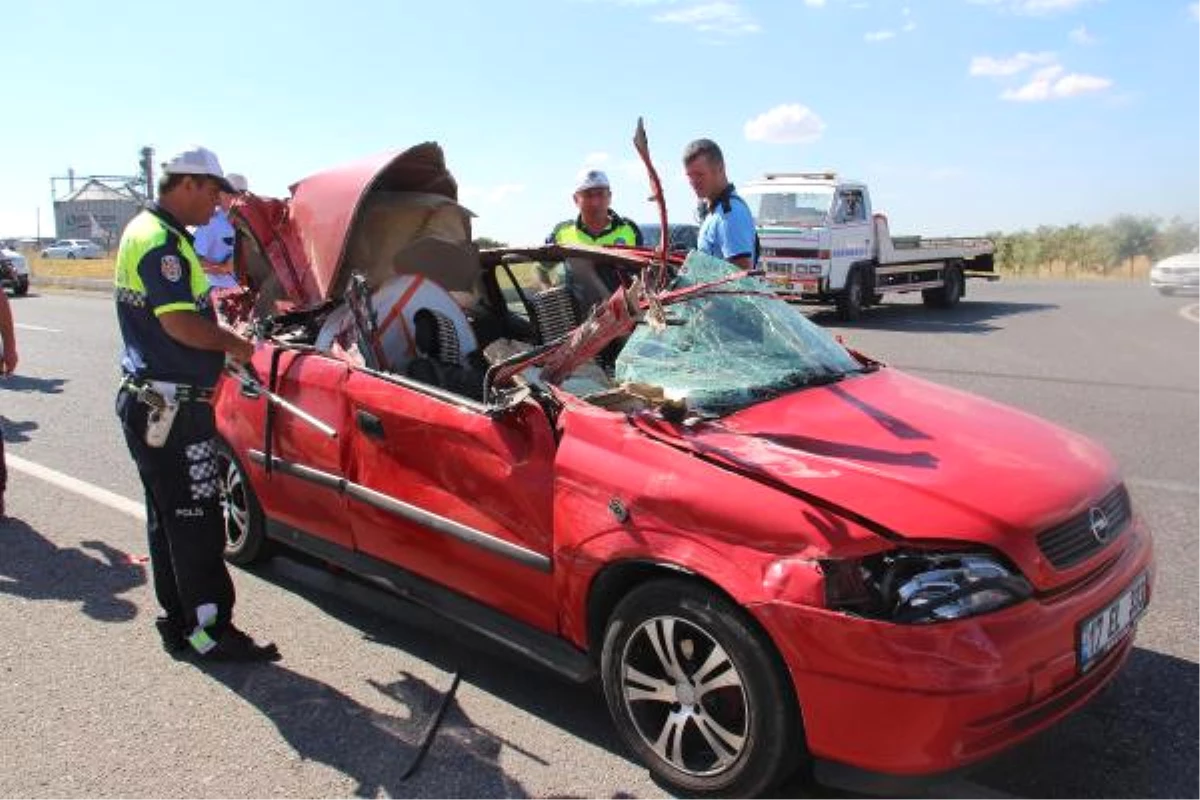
(963, 116)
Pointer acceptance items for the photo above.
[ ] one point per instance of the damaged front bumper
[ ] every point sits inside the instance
(890, 701)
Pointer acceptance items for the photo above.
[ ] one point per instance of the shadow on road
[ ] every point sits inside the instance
(16, 431)
(372, 747)
(26, 383)
(394, 623)
(1138, 738)
(35, 568)
(967, 317)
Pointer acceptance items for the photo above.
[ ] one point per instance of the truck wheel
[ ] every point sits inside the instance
(850, 300)
(22, 287)
(245, 527)
(698, 692)
(949, 293)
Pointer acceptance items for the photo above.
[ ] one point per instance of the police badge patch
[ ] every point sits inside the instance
(172, 270)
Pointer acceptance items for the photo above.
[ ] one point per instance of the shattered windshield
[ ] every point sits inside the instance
(731, 346)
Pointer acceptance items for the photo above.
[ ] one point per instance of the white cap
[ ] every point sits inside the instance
(238, 182)
(591, 179)
(198, 160)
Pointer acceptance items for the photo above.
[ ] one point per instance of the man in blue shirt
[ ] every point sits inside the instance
(215, 240)
(727, 226)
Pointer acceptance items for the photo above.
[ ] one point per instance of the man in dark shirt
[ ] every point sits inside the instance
(174, 351)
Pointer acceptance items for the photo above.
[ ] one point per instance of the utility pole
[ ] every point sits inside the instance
(37, 225)
(148, 170)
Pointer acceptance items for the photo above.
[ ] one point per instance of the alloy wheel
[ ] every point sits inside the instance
(685, 696)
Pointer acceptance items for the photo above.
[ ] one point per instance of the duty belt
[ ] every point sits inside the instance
(162, 393)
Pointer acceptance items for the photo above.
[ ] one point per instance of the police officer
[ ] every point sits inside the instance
(727, 226)
(596, 223)
(174, 351)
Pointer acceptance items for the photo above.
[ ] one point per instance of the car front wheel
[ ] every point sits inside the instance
(698, 692)
(245, 527)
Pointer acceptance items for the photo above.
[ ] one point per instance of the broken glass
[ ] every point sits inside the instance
(732, 344)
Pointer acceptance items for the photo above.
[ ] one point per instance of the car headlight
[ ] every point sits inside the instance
(914, 587)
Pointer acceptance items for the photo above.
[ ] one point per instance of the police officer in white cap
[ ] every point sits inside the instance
(174, 351)
(597, 223)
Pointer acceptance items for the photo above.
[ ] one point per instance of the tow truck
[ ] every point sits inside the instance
(820, 240)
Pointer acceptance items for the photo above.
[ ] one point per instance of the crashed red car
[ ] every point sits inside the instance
(772, 551)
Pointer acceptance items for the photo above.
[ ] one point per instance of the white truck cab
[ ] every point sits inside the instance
(821, 240)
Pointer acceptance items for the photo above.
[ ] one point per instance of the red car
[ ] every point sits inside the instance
(773, 551)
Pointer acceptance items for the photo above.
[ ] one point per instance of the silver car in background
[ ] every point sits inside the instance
(1177, 273)
(73, 248)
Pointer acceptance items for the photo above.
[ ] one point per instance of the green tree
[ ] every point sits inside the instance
(484, 243)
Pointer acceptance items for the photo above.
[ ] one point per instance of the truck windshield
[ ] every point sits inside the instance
(797, 206)
(732, 346)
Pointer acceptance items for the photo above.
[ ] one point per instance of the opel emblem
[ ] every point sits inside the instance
(1098, 524)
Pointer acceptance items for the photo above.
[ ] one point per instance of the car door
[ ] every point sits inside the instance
(445, 490)
(852, 231)
(302, 487)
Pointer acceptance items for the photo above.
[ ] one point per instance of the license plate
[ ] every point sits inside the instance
(1103, 630)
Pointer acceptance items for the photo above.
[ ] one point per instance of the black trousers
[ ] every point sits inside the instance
(184, 523)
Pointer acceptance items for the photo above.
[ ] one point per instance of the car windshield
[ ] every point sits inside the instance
(731, 346)
(798, 206)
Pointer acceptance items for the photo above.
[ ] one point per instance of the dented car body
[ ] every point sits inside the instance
(768, 547)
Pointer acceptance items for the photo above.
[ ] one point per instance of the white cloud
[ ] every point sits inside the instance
(878, 36)
(1051, 84)
(1194, 10)
(595, 160)
(814, 3)
(996, 67)
(721, 17)
(490, 194)
(791, 123)
(1081, 35)
(909, 27)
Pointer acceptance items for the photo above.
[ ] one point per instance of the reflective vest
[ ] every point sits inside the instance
(619, 231)
(156, 251)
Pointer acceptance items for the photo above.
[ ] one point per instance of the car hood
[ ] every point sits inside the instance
(308, 239)
(920, 460)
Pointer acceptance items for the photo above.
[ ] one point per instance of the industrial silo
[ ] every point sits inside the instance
(96, 211)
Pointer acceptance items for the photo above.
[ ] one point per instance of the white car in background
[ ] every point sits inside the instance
(73, 248)
(14, 272)
(1181, 272)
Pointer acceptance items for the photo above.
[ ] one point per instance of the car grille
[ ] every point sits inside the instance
(1067, 544)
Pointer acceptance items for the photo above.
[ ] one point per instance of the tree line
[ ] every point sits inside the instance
(1101, 249)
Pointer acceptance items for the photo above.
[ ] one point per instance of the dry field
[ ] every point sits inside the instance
(1135, 270)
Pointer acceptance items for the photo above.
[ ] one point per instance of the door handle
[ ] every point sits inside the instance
(369, 424)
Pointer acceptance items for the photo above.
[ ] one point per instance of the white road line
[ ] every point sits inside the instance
(1169, 486)
(102, 496)
(1191, 312)
(27, 327)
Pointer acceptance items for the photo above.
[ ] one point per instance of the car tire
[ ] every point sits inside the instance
(71, 256)
(22, 287)
(1166, 291)
(738, 738)
(245, 526)
(949, 293)
(850, 299)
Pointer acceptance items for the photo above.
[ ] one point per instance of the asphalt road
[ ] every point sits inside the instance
(92, 707)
